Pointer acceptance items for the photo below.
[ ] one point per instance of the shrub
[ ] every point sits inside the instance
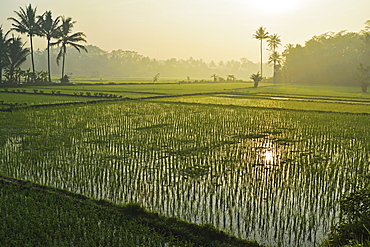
(354, 224)
(64, 79)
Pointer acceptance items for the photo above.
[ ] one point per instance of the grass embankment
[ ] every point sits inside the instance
(34, 215)
(282, 96)
(303, 104)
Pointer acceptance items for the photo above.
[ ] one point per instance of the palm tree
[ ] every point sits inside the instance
(256, 78)
(273, 42)
(4, 61)
(261, 34)
(17, 55)
(276, 60)
(66, 38)
(49, 28)
(230, 78)
(367, 26)
(26, 24)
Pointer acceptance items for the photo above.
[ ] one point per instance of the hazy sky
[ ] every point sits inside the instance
(208, 29)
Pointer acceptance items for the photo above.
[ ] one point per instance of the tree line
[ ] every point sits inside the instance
(341, 58)
(98, 63)
(13, 53)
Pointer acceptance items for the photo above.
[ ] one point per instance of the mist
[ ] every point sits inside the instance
(100, 64)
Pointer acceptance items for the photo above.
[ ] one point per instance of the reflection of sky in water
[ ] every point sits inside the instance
(269, 157)
(267, 154)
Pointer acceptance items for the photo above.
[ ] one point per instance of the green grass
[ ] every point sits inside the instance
(73, 91)
(37, 99)
(281, 96)
(308, 105)
(157, 88)
(308, 90)
(33, 215)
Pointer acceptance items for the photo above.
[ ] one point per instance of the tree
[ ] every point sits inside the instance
(26, 24)
(273, 43)
(215, 77)
(261, 34)
(4, 61)
(364, 77)
(156, 77)
(330, 58)
(49, 29)
(230, 78)
(275, 59)
(66, 38)
(367, 26)
(256, 79)
(17, 55)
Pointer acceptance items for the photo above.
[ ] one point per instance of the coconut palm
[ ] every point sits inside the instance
(367, 26)
(276, 60)
(4, 61)
(68, 39)
(261, 34)
(17, 55)
(26, 24)
(273, 43)
(49, 29)
(215, 77)
(256, 78)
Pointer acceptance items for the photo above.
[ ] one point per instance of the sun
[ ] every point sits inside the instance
(277, 6)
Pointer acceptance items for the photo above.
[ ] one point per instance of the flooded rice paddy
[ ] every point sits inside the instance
(269, 175)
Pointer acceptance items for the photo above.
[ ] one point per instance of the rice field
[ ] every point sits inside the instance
(268, 175)
(278, 102)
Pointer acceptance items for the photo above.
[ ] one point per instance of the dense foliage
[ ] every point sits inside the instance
(12, 51)
(330, 58)
(354, 226)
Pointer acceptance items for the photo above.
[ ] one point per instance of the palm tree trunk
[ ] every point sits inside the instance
(11, 73)
(49, 61)
(1, 75)
(32, 59)
(64, 58)
(274, 71)
(261, 57)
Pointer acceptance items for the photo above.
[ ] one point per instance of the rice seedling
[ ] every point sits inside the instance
(269, 175)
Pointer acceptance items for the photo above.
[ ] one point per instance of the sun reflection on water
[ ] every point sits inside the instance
(267, 154)
(269, 157)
